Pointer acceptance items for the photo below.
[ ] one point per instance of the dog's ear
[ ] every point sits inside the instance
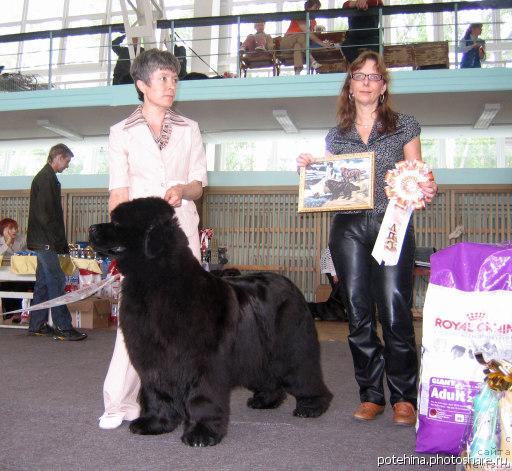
(157, 236)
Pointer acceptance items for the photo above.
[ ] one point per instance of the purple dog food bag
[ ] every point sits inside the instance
(468, 309)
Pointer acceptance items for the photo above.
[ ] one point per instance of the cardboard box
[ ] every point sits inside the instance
(322, 293)
(90, 313)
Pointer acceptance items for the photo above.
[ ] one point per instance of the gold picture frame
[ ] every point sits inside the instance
(338, 183)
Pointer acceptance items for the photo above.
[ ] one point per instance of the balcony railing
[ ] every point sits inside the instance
(81, 57)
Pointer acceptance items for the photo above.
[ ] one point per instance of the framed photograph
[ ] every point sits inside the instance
(337, 183)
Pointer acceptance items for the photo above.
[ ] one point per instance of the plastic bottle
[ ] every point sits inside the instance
(485, 414)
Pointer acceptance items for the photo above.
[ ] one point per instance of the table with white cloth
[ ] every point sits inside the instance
(7, 275)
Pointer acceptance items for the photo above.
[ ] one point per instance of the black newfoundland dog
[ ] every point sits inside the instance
(193, 336)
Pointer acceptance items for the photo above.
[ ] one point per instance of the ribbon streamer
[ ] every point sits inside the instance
(405, 196)
(70, 297)
(205, 235)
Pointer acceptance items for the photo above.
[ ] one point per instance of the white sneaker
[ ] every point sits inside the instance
(110, 421)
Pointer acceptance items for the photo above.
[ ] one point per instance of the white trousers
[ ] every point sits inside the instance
(122, 383)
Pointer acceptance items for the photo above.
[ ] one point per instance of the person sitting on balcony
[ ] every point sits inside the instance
(295, 38)
(473, 47)
(259, 41)
(363, 30)
(122, 69)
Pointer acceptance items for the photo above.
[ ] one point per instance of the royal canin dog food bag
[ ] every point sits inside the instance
(468, 309)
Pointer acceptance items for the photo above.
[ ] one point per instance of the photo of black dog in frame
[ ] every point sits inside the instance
(192, 336)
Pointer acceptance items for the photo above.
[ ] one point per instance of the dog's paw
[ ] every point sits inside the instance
(266, 401)
(151, 426)
(200, 435)
(307, 412)
(312, 406)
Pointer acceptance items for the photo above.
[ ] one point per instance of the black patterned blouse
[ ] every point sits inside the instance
(388, 148)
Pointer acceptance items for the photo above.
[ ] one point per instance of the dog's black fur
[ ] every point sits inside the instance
(193, 336)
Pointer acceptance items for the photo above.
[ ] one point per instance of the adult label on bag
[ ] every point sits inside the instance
(450, 400)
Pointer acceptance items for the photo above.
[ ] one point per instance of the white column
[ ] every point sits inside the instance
(226, 39)
(500, 152)
(201, 40)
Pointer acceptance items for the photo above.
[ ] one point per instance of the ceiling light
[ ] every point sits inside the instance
(488, 114)
(60, 130)
(284, 120)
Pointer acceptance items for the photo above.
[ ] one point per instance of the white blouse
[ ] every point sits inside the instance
(20, 243)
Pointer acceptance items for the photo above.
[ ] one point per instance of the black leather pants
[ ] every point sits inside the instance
(389, 288)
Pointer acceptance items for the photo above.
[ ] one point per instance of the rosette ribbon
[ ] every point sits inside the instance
(405, 196)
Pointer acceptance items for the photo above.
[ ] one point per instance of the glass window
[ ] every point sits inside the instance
(13, 12)
(508, 152)
(26, 159)
(429, 151)
(471, 152)
(20, 161)
(293, 5)
(9, 51)
(279, 153)
(82, 49)
(410, 27)
(35, 54)
(86, 7)
(38, 10)
(276, 154)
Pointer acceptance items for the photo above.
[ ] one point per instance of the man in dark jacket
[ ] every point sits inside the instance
(122, 68)
(47, 238)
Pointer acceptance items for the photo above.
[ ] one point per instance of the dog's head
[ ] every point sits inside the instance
(141, 229)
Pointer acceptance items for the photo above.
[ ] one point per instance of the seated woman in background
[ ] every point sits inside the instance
(295, 38)
(473, 47)
(10, 243)
(259, 41)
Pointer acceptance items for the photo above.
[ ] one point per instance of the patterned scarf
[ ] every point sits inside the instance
(171, 118)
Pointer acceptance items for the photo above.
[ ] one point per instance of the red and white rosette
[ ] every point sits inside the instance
(405, 196)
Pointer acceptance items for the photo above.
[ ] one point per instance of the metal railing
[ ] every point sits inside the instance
(44, 61)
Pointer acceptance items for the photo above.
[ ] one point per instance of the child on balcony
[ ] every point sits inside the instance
(258, 42)
(473, 47)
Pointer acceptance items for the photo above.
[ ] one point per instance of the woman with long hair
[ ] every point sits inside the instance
(367, 123)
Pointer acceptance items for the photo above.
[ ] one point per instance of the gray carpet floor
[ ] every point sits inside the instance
(50, 400)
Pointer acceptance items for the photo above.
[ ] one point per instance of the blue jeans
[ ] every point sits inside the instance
(50, 282)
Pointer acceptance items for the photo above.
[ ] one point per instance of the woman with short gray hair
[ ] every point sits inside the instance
(153, 152)
(145, 64)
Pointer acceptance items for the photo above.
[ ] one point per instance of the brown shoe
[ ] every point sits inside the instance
(404, 413)
(368, 411)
